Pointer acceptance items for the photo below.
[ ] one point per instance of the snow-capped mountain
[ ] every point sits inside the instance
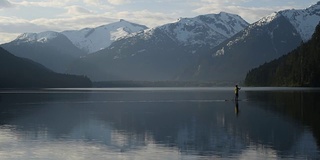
(304, 20)
(51, 49)
(267, 39)
(160, 53)
(94, 39)
(194, 33)
(57, 50)
(204, 29)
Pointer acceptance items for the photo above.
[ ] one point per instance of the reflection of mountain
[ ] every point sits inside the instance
(126, 121)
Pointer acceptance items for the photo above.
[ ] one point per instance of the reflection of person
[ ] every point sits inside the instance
(236, 92)
(236, 109)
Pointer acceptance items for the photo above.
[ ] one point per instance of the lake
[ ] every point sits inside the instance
(159, 123)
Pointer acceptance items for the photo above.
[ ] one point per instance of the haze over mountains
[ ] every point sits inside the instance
(19, 72)
(214, 47)
(51, 49)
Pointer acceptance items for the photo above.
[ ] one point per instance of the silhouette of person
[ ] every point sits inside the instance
(236, 92)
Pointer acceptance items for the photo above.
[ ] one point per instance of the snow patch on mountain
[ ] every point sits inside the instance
(225, 23)
(95, 39)
(266, 20)
(305, 21)
(220, 52)
(42, 37)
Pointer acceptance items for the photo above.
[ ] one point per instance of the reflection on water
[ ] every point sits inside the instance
(236, 109)
(159, 124)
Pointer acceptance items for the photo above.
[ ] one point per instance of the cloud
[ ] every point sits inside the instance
(145, 17)
(250, 13)
(5, 4)
(11, 27)
(16, 25)
(51, 3)
(79, 20)
(7, 37)
(92, 2)
(75, 22)
(77, 10)
(119, 2)
(104, 5)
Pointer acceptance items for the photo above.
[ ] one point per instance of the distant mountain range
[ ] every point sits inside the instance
(58, 50)
(214, 47)
(160, 53)
(18, 72)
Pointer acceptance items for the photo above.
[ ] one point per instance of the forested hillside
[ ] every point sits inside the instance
(301, 67)
(23, 73)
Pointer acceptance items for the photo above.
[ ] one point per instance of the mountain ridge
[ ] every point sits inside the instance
(265, 40)
(159, 53)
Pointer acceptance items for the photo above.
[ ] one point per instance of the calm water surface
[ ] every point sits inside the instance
(160, 123)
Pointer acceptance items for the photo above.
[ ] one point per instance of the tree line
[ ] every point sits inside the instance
(299, 68)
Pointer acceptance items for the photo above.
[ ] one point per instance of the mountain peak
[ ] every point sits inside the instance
(228, 14)
(223, 25)
(123, 21)
(94, 39)
(267, 19)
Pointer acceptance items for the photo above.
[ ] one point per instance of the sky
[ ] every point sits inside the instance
(21, 16)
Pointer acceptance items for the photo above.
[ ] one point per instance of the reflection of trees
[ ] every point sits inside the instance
(205, 128)
(303, 106)
(263, 128)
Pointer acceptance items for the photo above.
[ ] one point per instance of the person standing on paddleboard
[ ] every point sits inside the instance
(236, 92)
